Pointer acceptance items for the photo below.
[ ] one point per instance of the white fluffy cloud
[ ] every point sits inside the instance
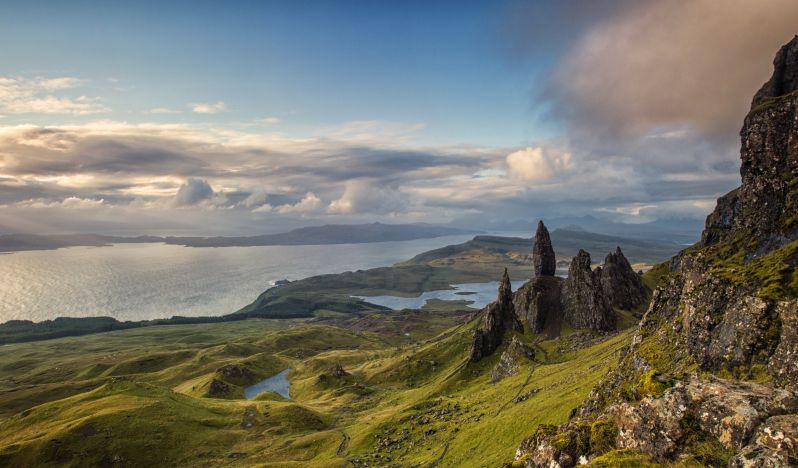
(537, 164)
(361, 197)
(310, 203)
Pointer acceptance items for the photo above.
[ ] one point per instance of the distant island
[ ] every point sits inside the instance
(315, 235)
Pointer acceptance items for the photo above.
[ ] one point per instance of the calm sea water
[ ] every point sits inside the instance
(147, 281)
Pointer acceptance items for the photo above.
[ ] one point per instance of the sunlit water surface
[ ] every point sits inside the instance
(147, 281)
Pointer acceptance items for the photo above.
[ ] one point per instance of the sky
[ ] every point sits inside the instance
(212, 118)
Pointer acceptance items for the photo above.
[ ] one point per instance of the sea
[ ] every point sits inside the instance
(149, 281)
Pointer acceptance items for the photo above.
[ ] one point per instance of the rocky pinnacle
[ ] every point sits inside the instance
(543, 253)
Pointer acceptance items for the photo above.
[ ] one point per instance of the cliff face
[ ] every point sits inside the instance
(769, 191)
(584, 302)
(726, 313)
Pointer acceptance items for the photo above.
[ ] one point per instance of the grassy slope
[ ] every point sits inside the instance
(136, 395)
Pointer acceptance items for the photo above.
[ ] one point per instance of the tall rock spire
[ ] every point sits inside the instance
(498, 318)
(505, 290)
(543, 253)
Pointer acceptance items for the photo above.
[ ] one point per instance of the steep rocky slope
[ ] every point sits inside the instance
(710, 376)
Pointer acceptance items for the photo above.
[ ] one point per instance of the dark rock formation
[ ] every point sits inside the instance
(583, 301)
(218, 388)
(338, 371)
(769, 192)
(543, 253)
(497, 319)
(335, 376)
(236, 373)
(785, 74)
(721, 220)
(538, 302)
(622, 287)
(511, 359)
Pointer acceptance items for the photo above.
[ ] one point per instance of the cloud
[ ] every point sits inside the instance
(362, 197)
(19, 95)
(269, 121)
(310, 203)
(159, 177)
(209, 107)
(193, 191)
(537, 164)
(671, 63)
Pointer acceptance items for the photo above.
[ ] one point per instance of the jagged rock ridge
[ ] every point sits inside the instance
(546, 300)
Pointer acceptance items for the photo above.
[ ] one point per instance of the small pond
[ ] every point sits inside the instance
(276, 383)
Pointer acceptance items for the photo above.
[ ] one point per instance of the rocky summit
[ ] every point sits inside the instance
(710, 375)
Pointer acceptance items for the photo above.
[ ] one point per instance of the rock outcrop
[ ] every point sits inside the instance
(497, 319)
(516, 354)
(769, 192)
(622, 286)
(727, 410)
(543, 257)
(583, 299)
(721, 220)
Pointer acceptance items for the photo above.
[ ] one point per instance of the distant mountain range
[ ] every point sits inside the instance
(316, 235)
(684, 231)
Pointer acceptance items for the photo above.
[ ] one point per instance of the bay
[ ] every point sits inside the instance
(149, 281)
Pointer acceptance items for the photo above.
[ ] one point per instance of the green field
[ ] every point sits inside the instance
(141, 397)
